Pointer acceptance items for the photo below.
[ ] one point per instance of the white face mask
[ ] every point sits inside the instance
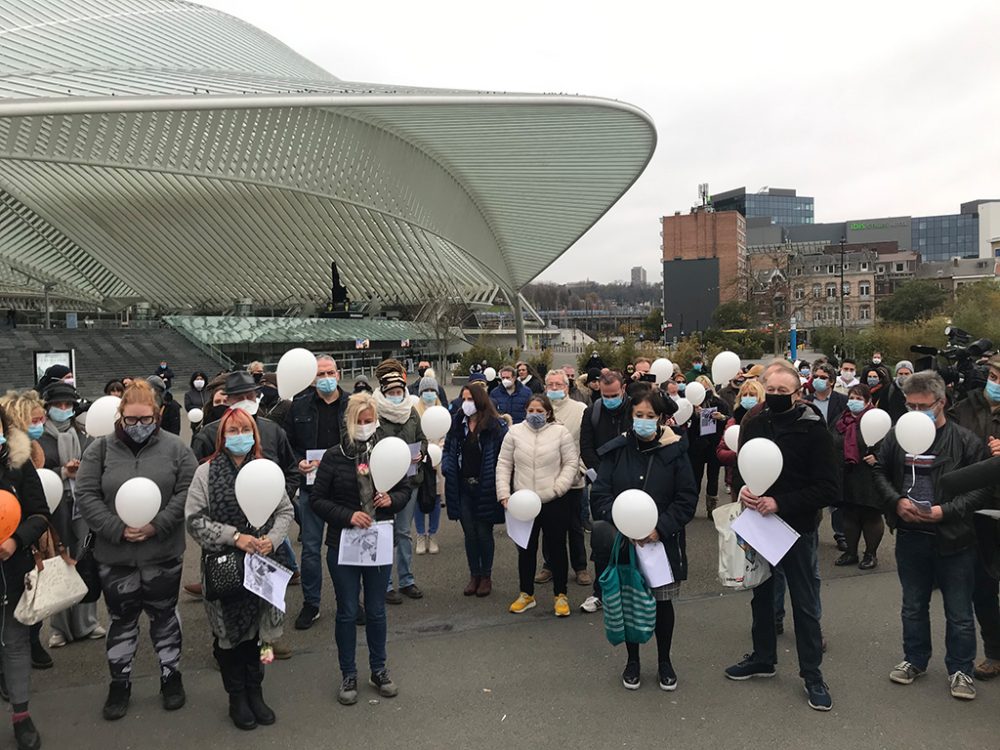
(365, 431)
(248, 405)
(469, 408)
(70, 381)
(199, 384)
(507, 383)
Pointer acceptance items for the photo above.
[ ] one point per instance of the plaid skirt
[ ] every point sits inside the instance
(666, 593)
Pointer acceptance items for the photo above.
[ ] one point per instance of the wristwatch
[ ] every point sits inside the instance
(236, 538)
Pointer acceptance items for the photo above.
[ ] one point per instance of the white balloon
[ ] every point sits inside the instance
(684, 411)
(389, 462)
(138, 501)
(434, 451)
(875, 425)
(490, 374)
(695, 393)
(260, 485)
(195, 416)
(731, 437)
(52, 485)
(725, 366)
(524, 505)
(101, 417)
(915, 432)
(435, 422)
(634, 514)
(760, 464)
(662, 368)
(296, 371)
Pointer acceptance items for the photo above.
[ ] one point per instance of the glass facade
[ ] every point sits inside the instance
(939, 238)
(780, 209)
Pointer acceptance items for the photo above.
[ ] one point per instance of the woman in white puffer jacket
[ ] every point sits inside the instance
(539, 454)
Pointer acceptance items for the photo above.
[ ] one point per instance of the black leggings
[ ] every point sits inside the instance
(664, 634)
(553, 522)
(858, 520)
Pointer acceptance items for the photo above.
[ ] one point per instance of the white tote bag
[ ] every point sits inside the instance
(740, 567)
(52, 586)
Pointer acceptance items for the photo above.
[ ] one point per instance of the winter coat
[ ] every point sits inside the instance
(976, 413)
(534, 385)
(515, 404)
(894, 402)
(709, 441)
(600, 425)
(409, 432)
(106, 465)
(545, 461)
(810, 473)
(195, 399)
(170, 415)
(664, 473)
(569, 413)
(955, 447)
(490, 438)
(273, 445)
(857, 480)
(301, 424)
(19, 477)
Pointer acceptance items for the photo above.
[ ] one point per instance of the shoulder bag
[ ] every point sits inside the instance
(629, 607)
(51, 586)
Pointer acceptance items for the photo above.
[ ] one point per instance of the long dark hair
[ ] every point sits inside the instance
(485, 410)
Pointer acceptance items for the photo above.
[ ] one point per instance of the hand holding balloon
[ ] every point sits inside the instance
(762, 504)
(140, 534)
(7, 549)
(382, 500)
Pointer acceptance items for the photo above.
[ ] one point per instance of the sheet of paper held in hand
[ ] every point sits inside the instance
(519, 531)
(708, 425)
(414, 452)
(368, 547)
(316, 455)
(266, 578)
(769, 535)
(654, 564)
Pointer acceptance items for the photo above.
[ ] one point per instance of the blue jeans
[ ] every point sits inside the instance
(479, 543)
(311, 562)
(347, 583)
(920, 566)
(434, 516)
(780, 586)
(798, 565)
(402, 542)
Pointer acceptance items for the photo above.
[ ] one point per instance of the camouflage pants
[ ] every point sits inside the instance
(128, 592)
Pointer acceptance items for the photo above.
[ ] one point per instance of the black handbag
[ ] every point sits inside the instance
(223, 574)
(427, 496)
(86, 566)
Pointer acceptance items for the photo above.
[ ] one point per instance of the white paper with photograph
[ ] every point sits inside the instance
(316, 455)
(654, 564)
(369, 547)
(266, 578)
(769, 535)
(707, 424)
(519, 531)
(414, 452)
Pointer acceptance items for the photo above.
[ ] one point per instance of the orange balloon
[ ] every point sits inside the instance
(10, 515)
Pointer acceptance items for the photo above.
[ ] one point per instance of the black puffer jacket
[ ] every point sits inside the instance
(601, 425)
(18, 476)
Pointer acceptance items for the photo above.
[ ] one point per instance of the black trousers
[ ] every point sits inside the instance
(553, 522)
(577, 543)
(701, 453)
(986, 600)
(858, 520)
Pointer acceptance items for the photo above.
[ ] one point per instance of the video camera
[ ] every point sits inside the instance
(961, 369)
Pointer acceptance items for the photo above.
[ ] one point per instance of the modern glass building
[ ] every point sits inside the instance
(939, 238)
(781, 206)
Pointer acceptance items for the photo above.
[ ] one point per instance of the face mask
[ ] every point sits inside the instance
(611, 402)
(60, 415)
(644, 428)
(778, 402)
(681, 387)
(199, 384)
(855, 405)
(248, 405)
(847, 374)
(507, 383)
(876, 360)
(36, 431)
(397, 400)
(748, 402)
(239, 445)
(697, 366)
(421, 371)
(469, 408)
(258, 376)
(804, 372)
(140, 433)
(992, 390)
(820, 384)
(555, 395)
(429, 397)
(70, 381)
(537, 421)
(3, 439)
(872, 382)
(326, 385)
(930, 414)
(365, 431)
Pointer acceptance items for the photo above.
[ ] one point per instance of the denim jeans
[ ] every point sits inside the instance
(290, 555)
(434, 519)
(837, 522)
(347, 583)
(780, 586)
(479, 543)
(798, 566)
(311, 562)
(920, 566)
(402, 542)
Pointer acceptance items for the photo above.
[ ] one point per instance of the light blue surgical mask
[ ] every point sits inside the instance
(397, 400)
(821, 384)
(429, 397)
(855, 405)
(536, 421)
(326, 385)
(36, 431)
(239, 445)
(681, 387)
(60, 415)
(612, 402)
(748, 402)
(3, 439)
(992, 390)
(555, 395)
(644, 428)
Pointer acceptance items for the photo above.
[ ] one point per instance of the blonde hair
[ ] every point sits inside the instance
(18, 407)
(140, 392)
(357, 404)
(752, 388)
(560, 374)
(705, 381)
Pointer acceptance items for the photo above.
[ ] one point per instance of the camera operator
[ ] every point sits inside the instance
(979, 412)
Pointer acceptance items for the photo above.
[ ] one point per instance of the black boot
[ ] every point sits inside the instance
(116, 706)
(254, 679)
(26, 736)
(234, 681)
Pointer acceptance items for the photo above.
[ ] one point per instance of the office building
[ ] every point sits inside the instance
(778, 205)
(638, 276)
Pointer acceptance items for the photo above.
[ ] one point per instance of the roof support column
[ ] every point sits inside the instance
(515, 305)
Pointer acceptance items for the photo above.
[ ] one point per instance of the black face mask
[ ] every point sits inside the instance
(258, 376)
(421, 371)
(778, 402)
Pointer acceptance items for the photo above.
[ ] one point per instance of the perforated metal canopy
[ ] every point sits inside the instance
(165, 151)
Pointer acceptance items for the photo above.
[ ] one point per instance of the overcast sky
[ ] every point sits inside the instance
(881, 108)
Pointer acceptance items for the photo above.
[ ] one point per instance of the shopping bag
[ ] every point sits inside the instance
(629, 607)
(740, 567)
(51, 586)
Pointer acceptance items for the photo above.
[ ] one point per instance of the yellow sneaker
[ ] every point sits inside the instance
(562, 606)
(522, 604)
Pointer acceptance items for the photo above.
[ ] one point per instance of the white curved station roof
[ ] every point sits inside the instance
(146, 146)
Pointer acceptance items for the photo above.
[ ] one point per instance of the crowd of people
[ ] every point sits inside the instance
(575, 442)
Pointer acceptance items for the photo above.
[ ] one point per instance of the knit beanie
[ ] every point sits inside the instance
(391, 379)
(427, 383)
(390, 365)
(903, 363)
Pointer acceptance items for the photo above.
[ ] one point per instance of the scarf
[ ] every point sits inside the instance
(395, 413)
(361, 452)
(847, 426)
(67, 442)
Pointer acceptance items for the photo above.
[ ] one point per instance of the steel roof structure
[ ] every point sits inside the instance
(150, 149)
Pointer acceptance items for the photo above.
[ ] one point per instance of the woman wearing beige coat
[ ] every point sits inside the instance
(539, 454)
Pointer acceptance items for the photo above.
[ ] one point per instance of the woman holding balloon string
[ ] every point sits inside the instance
(243, 625)
(140, 559)
(649, 457)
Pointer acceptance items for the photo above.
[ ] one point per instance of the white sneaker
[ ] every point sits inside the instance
(421, 545)
(97, 633)
(57, 640)
(432, 545)
(591, 604)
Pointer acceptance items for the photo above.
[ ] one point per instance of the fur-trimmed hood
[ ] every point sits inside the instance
(18, 447)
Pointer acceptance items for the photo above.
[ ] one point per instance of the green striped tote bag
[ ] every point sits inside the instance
(629, 607)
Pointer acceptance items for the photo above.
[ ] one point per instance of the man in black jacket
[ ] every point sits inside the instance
(314, 423)
(935, 538)
(809, 479)
(831, 405)
(414, 388)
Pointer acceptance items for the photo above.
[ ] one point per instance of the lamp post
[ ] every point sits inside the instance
(843, 340)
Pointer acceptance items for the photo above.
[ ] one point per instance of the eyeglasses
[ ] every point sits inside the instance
(133, 421)
(921, 407)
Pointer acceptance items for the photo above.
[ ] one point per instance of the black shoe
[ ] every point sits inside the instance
(40, 658)
(848, 558)
(116, 706)
(748, 668)
(412, 591)
(261, 711)
(668, 678)
(307, 617)
(383, 683)
(26, 735)
(868, 562)
(819, 696)
(393, 597)
(4, 693)
(779, 627)
(630, 677)
(841, 544)
(240, 713)
(360, 619)
(172, 691)
(348, 694)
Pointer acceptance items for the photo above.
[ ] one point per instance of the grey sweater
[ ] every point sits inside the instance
(106, 465)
